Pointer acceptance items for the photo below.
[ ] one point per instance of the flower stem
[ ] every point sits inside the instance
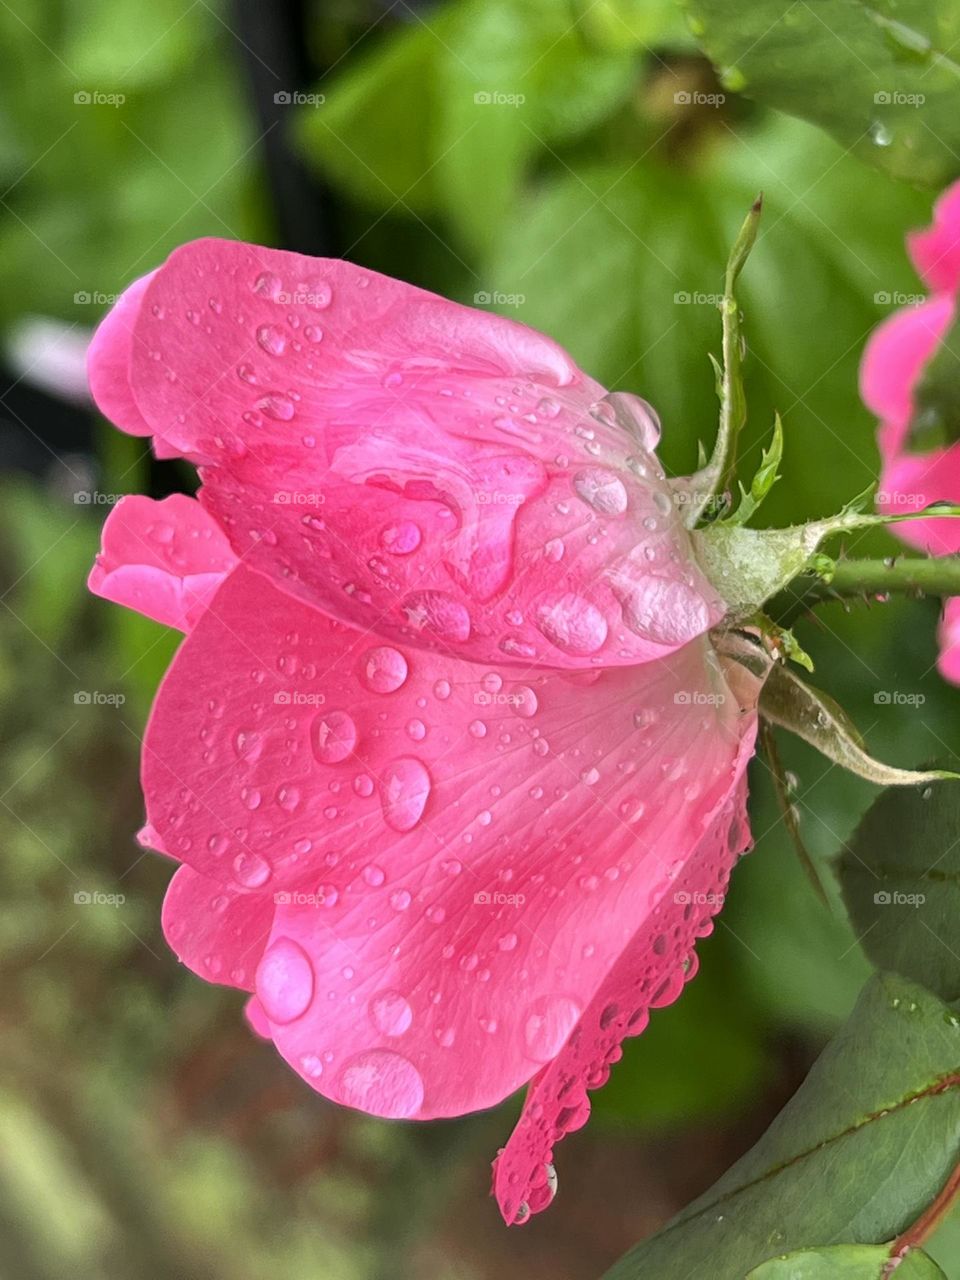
(856, 579)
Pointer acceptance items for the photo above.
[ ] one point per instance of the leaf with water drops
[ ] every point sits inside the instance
(859, 1152)
(900, 876)
(814, 716)
(881, 78)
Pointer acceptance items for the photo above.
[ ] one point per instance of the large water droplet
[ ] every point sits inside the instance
(662, 609)
(280, 408)
(382, 1083)
(404, 790)
(285, 981)
(402, 538)
(572, 624)
(383, 669)
(333, 736)
(602, 490)
(251, 870)
(439, 613)
(272, 339)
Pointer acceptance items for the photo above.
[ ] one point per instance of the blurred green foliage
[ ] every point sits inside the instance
(594, 193)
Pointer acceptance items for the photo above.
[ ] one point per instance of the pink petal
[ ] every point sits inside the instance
(256, 1018)
(164, 559)
(445, 476)
(893, 360)
(649, 973)
(936, 251)
(219, 931)
(948, 635)
(912, 482)
(458, 854)
(108, 361)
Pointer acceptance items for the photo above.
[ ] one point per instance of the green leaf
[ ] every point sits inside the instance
(858, 1153)
(846, 1262)
(882, 78)
(814, 716)
(900, 877)
(447, 116)
(765, 477)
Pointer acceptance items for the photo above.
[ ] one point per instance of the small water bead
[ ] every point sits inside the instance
(285, 981)
(374, 876)
(602, 490)
(333, 736)
(303, 846)
(311, 1065)
(251, 870)
(390, 1013)
(401, 539)
(383, 669)
(507, 942)
(548, 407)
(272, 339)
(478, 729)
(363, 785)
(217, 845)
(382, 1083)
(400, 899)
(313, 333)
(554, 550)
(404, 791)
(442, 690)
(436, 915)
(417, 730)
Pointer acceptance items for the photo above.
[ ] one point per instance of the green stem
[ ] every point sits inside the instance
(856, 579)
(718, 474)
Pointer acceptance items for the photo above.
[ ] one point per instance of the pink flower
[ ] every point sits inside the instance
(453, 773)
(893, 363)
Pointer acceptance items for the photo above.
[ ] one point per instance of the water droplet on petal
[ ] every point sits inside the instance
(383, 669)
(572, 624)
(602, 490)
(333, 736)
(662, 609)
(251, 870)
(382, 1083)
(401, 539)
(549, 1021)
(439, 613)
(390, 1013)
(278, 407)
(272, 339)
(404, 790)
(285, 981)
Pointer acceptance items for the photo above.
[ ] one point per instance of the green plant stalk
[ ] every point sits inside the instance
(857, 579)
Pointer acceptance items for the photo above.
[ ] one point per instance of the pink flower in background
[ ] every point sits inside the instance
(453, 773)
(893, 364)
